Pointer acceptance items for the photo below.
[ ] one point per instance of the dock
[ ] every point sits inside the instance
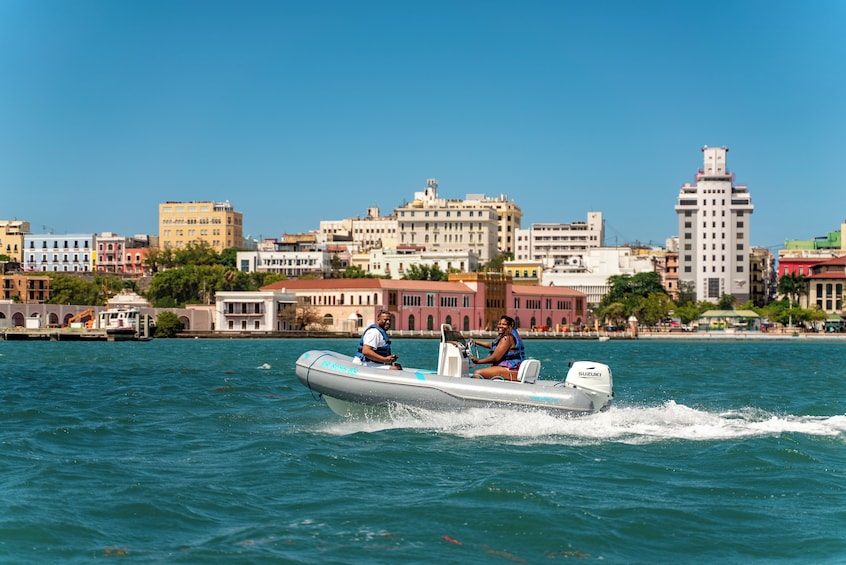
(66, 334)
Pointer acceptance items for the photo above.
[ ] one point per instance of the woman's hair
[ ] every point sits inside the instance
(508, 320)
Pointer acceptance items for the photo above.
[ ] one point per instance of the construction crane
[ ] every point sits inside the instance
(86, 317)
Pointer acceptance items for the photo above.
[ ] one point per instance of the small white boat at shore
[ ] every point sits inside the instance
(351, 389)
(122, 323)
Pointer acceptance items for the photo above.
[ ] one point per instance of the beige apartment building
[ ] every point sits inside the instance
(25, 289)
(447, 226)
(510, 216)
(373, 231)
(215, 223)
(12, 234)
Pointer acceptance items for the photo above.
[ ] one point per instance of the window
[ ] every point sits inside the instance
(713, 288)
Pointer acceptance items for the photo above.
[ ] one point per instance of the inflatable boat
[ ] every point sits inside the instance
(351, 389)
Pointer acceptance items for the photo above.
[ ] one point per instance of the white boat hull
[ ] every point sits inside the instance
(346, 386)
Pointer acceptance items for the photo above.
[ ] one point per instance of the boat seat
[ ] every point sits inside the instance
(529, 371)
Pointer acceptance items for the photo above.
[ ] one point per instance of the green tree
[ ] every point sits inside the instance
(159, 259)
(199, 284)
(336, 264)
(424, 273)
(653, 308)
(197, 253)
(792, 286)
(687, 293)
(229, 257)
(495, 265)
(690, 312)
(70, 289)
(629, 292)
(687, 312)
(80, 290)
(167, 324)
(613, 313)
(355, 272)
(176, 287)
(258, 280)
(726, 302)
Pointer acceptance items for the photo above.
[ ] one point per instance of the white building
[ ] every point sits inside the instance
(590, 274)
(393, 263)
(69, 253)
(255, 311)
(292, 264)
(373, 231)
(448, 226)
(558, 245)
(714, 225)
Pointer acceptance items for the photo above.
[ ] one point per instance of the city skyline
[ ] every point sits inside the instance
(298, 113)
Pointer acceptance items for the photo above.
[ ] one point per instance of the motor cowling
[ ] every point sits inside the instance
(594, 379)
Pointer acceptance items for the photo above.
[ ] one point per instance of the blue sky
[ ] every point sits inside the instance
(304, 111)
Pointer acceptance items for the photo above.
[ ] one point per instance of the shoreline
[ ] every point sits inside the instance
(586, 336)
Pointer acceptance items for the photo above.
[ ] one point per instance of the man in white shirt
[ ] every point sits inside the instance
(374, 349)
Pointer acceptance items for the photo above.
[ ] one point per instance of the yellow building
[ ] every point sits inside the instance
(215, 223)
(12, 234)
(523, 272)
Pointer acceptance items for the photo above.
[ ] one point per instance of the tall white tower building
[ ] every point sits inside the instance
(714, 225)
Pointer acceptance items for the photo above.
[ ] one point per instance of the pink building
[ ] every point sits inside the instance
(119, 254)
(473, 304)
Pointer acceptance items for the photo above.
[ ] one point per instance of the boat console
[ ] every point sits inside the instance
(453, 353)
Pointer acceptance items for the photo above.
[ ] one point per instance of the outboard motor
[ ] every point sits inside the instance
(594, 379)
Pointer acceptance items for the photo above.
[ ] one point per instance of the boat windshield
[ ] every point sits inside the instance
(449, 334)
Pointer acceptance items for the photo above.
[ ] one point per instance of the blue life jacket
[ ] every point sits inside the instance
(516, 353)
(385, 350)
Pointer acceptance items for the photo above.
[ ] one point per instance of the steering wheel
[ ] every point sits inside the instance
(474, 349)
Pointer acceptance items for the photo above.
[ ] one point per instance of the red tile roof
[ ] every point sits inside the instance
(368, 284)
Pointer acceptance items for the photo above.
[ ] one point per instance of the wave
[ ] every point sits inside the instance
(623, 424)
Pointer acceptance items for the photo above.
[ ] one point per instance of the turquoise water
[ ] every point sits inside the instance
(210, 451)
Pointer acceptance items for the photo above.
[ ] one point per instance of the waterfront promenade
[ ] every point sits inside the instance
(529, 335)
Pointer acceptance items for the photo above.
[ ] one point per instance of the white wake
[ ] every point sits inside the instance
(633, 425)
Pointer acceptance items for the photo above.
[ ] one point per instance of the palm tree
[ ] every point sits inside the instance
(792, 285)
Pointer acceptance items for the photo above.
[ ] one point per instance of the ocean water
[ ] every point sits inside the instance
(210, 451)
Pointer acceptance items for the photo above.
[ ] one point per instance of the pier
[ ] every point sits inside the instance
(67, 334)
